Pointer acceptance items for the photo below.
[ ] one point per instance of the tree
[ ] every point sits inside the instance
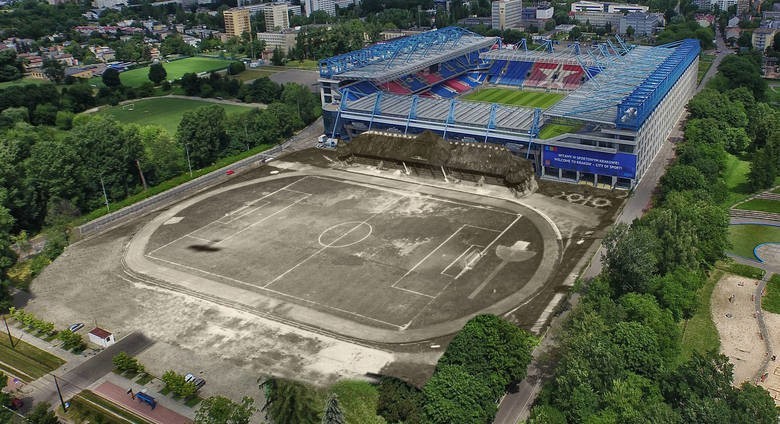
(204, 131)
(42, 415)
(453, 395)
(221, 410)
(333, 414)
(630, 31)
(236, 68)
(124, 362)
(111, 78)
(10, 66)
(753, 404)
(6, 415)
(290, 402)
(54, 70)
(491, 349)
(157, 73)
(630, 258)
(278, 57)
(178, 385)
(399, 401)
(191, 84)
(763, 170)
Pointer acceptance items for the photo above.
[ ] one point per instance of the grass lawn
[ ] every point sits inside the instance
(763, 205)
(705, 62)
(23, 81)
(745, 237)
(735, 176)
(699, 333)
(771, 301)
(553, 130)
(515, 97)
(252, 74)
(89, 407)
(26, 358)
(175, 69)
(358, 400)
(307, 64)
(165, 112)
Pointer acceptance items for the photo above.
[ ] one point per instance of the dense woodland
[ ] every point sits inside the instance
(620, 355)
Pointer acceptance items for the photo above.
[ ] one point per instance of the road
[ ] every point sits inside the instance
(83, 375)
(516, 406)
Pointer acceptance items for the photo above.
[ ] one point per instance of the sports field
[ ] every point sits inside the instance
(514, 97)
(164, 112)
(384, 258)
(175, 69)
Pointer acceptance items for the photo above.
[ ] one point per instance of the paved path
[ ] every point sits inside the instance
(86, 373)
(160, 414)
(153, 388)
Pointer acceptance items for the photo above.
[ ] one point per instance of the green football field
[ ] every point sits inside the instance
(175, 69)
(164, 112)
(515, 97)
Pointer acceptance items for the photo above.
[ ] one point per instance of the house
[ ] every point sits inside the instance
(101, 337)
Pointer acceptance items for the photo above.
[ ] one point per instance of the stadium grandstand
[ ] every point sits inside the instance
(612, 104)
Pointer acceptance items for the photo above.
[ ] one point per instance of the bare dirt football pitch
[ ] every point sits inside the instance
(376, 263)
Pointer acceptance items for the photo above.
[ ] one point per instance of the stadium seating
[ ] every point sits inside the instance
(496, 69)
(541, 74)
(359, 89)
(571, 77)
(395, 87)
(431, 78)
(457, 85)
(515, 73)
(443, 91)
(414, 82)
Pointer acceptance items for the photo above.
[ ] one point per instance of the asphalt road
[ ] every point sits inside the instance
(81, 377)
(516, 406)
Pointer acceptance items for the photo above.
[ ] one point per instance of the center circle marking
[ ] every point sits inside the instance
(339, 235)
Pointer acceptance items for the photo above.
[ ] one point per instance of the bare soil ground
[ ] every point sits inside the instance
(738, 328)
(772, 382)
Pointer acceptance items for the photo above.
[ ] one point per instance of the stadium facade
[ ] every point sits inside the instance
(621, 102)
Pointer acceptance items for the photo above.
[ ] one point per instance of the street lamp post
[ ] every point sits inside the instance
(105, 196)
(189, 165)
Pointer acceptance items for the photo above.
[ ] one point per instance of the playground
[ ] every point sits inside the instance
(165, 112)
(382, 258)
(515, 97)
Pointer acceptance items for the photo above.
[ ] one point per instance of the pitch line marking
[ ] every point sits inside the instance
(467, 250)
(216, 220)
(201, 239)
(413, 292)
(428, 256)
(275, 291)
(263, 219)
(358, 225)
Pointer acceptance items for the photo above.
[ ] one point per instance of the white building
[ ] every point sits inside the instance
(506, 14)
(592, 6)
(276, 17)
(723, 4)
(101, 337)
(104, 4)
(284, 40)
(327, 6)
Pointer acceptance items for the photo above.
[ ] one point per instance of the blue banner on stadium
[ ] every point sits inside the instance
(615, 164)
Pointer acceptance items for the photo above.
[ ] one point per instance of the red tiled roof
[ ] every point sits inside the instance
(99, 332)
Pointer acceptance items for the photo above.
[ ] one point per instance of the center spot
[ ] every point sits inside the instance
(345, 234)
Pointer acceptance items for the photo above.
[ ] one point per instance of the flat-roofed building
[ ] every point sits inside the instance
(506, 14)
(237, 22)
(276, 17)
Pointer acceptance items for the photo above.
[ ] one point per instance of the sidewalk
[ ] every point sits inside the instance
(152, 389)
(160, 414)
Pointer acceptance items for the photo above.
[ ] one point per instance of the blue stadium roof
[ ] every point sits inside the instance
(627, 91)
(396, 58)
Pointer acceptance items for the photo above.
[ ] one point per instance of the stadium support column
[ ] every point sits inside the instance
(412, 112)
(492, 120)
(377, 109)
(534, 131)
(342, 106)
(450, 118)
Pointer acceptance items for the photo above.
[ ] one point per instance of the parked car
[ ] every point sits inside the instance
(197, 381)
(16, 404)
(76, 327)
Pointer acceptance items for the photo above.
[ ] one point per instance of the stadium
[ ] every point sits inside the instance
(593, 115)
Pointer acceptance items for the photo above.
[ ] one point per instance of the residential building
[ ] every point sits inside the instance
(705, 20)
(506, 14)
(591, 6)
(743, 7)
(284, 40)
(276, 17)
(105, 4)
(644, 24)
(723, 4)
(103, 53)
(763, 38)
(599, 19)
(703, 4)
(237, 22)
(398, 33)
(327, 6)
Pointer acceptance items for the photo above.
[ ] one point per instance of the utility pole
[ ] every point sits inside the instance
(105, 196)
(141, 173)
(10, 338)
(189, 165)
(59, 393)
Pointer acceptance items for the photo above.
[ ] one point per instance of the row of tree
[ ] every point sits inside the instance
(620, 355)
